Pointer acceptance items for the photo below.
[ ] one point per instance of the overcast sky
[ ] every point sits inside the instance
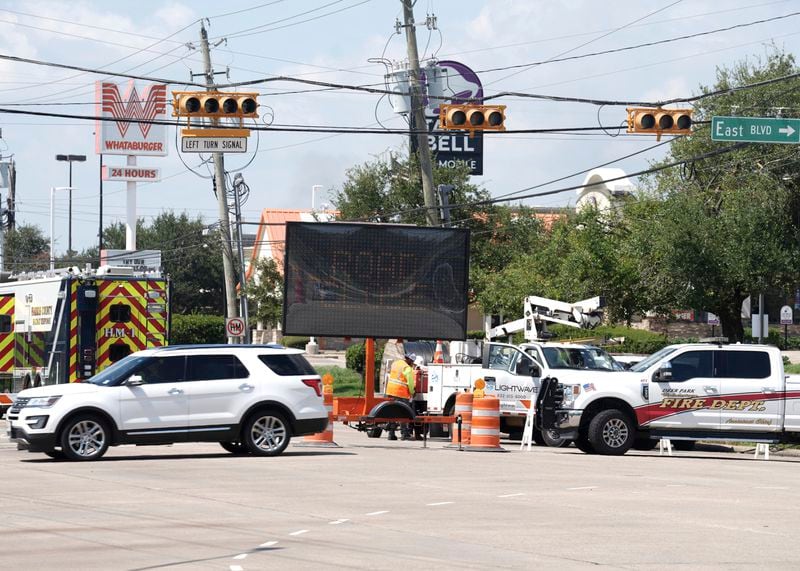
(331, 41)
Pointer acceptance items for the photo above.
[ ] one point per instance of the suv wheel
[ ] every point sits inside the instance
(234, 447)
(84, 437)
(611, 432)
(267, 433)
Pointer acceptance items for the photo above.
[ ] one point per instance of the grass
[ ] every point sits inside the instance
(793, 369)
(346, 382)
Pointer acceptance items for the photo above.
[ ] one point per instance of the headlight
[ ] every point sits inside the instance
(42, 402)
(570, 393)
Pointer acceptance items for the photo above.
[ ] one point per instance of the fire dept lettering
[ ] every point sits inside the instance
(719, 404)
(41, 314)
(116, 332)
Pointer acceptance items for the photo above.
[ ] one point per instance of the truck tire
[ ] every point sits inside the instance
(538, 438)
(553, 440)
(644, 443)
(611, 432)
(374, 432)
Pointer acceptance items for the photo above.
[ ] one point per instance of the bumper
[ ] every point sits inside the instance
(31, 442)
(303, 427)
(568, 421)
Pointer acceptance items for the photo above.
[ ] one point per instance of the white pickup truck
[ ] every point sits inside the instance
(683, 392)
(512, 373)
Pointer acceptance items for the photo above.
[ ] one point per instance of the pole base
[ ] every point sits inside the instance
(312, 444)
(469, 448)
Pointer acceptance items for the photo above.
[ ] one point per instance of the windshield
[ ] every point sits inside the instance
(120, 370)
(642, 366)
(592, 358)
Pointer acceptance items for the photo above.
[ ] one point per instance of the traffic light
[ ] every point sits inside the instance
(471, 117)
(658, 121)
(214, 104)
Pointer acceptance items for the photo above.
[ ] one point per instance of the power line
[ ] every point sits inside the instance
(637, 46)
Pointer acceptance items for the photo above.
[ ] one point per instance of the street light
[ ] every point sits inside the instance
(53, 190)
(70, 159)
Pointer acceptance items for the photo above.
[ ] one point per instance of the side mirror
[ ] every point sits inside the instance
(663, 374)
(134, 381)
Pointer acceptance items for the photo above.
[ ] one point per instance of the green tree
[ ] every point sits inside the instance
(265, 293)
(193, 260)
(26, 249)
(709, 235)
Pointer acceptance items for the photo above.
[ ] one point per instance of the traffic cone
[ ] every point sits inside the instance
(485, 433)
(438, 354)
(323, 439)
(463, 409)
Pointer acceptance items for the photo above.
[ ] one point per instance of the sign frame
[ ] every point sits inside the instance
(770, 130)
(234, 327)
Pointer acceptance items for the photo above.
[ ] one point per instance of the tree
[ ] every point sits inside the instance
(193, 260)
(26, 249)
(265, 292)
(709, 235)
(381, 192)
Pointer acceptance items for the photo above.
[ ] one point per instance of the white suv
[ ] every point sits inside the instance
(249, 398)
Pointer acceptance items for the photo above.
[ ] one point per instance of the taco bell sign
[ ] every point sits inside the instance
(129, 101)
(451, 148)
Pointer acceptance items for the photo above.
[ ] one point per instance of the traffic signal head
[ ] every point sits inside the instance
(658, 121)
(214, 104)
(470, 117)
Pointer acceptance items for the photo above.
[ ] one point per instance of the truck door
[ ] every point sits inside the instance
(751, 391)
(514, 390)
(680, 393)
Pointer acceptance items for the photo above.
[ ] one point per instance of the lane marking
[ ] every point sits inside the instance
(338, 521)
(511, 495)
(771, 488)
(236, 568)
(378, 513)
(439, 503)
(268, 544)
(583, 488)
(299, 532)
(241, 556)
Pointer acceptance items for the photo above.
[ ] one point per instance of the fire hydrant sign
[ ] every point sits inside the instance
(234, 327)
(787, 316)
(214, 144)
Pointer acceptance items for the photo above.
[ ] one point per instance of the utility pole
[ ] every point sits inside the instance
(12, 196)
(222, 198)
(418, 115)
(238, 183)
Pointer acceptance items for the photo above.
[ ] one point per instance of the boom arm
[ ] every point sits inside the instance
(585, 314)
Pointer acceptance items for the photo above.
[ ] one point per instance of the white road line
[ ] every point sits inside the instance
(439, 504)
(268, 544)
(241, 556)
(511, 495)
(771, 488)
(378, 513)
(338, 521)
(583, 488)
(236, 568)
(299, 532)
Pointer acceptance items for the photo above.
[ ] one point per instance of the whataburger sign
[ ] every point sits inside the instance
(147, 103)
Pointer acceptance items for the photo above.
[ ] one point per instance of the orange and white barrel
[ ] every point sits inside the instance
(463, 409)
(324, 438)
(485, 436)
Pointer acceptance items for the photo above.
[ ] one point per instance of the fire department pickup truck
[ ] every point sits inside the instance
(683, 392)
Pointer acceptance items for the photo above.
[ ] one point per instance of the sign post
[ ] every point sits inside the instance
(787, 318)
(755, 130)
(713, 321)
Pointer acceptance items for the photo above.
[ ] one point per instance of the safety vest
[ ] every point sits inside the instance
(397, 386)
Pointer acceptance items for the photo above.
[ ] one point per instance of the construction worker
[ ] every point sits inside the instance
(418, 398)
(401, 387)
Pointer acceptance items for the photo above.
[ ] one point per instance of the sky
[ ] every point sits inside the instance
(332, 41)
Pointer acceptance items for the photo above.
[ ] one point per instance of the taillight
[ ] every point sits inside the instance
(315, 384)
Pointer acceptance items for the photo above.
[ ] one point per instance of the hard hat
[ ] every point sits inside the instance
(411, 356)
(419, 361)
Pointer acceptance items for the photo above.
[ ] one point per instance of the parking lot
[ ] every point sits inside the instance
(385, 505)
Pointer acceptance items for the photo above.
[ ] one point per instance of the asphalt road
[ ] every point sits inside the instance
(374, 504)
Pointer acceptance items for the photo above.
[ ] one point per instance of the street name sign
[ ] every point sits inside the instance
(755, 130)
(214, 144)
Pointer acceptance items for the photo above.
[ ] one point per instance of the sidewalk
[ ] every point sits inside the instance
(327, 359)
(794, 356)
